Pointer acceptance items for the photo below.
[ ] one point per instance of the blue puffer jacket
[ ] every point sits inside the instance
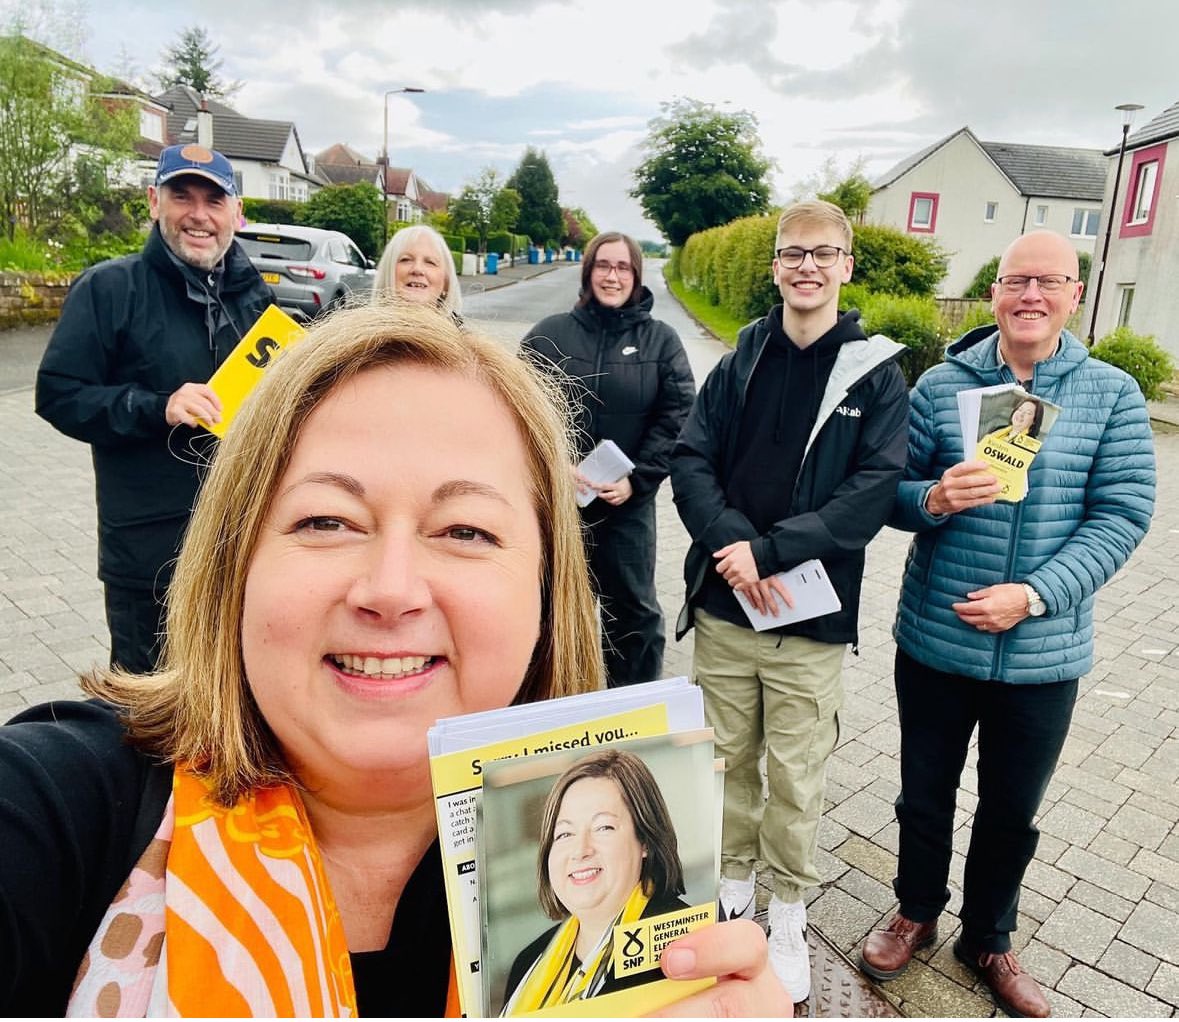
(1089, 503)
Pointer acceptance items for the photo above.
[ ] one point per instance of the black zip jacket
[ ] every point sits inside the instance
(855, 454)
(627, 378)
(131, 332)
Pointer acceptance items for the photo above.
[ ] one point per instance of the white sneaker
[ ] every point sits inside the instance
(789, 957)
(736, 898)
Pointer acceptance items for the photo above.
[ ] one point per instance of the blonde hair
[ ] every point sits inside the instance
(198, 707)
(815, 212)
(385, 279)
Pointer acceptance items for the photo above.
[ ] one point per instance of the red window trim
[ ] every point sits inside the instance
(1157, 153)
(933, 197)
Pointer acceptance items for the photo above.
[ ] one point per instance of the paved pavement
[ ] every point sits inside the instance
(1099, 921)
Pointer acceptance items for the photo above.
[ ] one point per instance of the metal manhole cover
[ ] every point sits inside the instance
(838, 988)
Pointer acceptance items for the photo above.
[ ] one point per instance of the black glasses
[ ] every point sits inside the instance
(823, 256)
(605, 268)
(1048, 283)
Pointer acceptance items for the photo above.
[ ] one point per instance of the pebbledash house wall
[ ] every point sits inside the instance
(29, 298)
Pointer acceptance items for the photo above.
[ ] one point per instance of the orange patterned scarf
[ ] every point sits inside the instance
(227, 913)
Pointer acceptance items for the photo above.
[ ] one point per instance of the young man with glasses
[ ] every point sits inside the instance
(995, 622)
(792, 451)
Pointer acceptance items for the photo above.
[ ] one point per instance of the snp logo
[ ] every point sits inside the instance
(851, 413)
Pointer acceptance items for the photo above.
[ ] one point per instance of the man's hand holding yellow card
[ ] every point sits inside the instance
(268, 338)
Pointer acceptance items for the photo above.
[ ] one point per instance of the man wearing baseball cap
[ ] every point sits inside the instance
(126, 369)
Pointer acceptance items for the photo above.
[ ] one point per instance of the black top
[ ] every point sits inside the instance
(73, 798)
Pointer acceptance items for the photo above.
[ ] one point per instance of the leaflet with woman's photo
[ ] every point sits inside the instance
(462, 747)
(592, 861)
(1005, 426)
(606, 463)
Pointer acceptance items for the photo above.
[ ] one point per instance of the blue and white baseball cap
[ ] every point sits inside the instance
(196, 159)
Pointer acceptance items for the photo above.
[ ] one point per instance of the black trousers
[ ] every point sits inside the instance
(620, 546)
(1021, 730)
(135, 618)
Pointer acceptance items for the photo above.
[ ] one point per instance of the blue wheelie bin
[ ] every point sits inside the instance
(534, 255)
(492, 264)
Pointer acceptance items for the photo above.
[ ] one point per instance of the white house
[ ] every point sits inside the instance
(1138, 286)
(267, 158)
(974, 198)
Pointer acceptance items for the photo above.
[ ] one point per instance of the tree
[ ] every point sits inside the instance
(703, 168)
(55, 135)
(486, 207)
(192, 60)
(851, 195)
(540, 212)
(356, 210)
(579, 228)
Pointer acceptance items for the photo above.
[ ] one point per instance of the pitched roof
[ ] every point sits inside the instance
(1163, 127)
(348, 173)
(342, 154)
(435, 202)
(397, 180)
(234, 134)
(1051, 171)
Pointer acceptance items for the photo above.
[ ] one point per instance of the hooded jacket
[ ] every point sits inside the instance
(627, 378)
(853, 459)
(131, 332)
(1090, 499)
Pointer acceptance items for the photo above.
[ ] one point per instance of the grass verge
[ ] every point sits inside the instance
(713, 318)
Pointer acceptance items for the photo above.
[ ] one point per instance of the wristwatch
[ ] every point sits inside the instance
(1036, 606)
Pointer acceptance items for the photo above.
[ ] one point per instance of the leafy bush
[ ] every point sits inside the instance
(270, 211)
(501, 243)
(910, 320)
(27, 255)
(356, 210)
(980, 287)
(891, 261)
(1140, 356)
(977, 315)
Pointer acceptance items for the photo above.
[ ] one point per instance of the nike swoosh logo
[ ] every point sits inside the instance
(630, 349)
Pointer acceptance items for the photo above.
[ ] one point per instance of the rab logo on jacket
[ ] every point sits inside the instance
(851, 413)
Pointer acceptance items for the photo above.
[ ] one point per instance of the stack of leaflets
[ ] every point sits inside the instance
(810, 590)
(606, 463)
(575, 848)
(1005, 426)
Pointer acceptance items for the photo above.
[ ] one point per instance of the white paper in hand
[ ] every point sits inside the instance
(809, 588)
(606, 463)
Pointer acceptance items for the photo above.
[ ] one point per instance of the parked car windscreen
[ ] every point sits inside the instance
(271, 246)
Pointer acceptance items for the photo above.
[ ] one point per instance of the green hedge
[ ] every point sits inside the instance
(270, 211)
(1140, 356)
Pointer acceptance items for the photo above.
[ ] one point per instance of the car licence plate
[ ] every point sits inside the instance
(270, 278)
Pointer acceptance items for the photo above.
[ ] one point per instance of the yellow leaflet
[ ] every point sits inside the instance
(638, 945)
(1009, 460)
(268, 338)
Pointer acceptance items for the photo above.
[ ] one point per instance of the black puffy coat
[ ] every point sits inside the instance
(628, 380)
(131, 332)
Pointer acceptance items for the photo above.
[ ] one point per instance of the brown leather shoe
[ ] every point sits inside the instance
(1013, 989)
(887, 953)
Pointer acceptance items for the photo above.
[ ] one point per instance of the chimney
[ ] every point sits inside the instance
(204, 126)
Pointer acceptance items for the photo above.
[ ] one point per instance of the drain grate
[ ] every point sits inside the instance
(838, 988)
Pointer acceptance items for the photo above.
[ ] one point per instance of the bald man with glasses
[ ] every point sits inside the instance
(995, 621)
(792, 451)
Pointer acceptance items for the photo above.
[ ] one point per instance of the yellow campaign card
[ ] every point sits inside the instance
(272, 333)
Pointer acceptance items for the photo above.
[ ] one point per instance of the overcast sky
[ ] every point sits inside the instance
(876, 79)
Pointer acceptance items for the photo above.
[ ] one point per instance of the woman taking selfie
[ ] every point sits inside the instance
(387, 537)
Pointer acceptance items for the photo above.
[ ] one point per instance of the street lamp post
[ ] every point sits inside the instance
(385, 161)
(1128, 111)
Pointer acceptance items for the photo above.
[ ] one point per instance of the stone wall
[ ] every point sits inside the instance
(27, 298)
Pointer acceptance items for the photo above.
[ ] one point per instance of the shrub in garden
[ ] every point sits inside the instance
(1140, 356)
(891, 261)
(980, 287)
(909, 320)
(270, 211)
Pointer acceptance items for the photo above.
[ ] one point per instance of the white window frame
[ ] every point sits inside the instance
(916, 220)
(1088, 217)
(1125, 303)
(1041, 216)
(990, 211)
(1144, 192)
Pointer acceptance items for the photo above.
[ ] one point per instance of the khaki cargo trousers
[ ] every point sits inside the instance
(781, 695)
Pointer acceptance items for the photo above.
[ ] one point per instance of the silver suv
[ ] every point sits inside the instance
(310, 270)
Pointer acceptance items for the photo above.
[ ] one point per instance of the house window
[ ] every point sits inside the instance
(1041, 216)
(237, 181)
(1125, 302)
(990, 211)
(151, 125)
(1145, 179)
(403, 210)
(1085, 223)
(923, 212)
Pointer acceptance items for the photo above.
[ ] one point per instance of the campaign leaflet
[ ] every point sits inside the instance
(461, 747)
(591, 862)
(1005, 426)
(272, 333)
